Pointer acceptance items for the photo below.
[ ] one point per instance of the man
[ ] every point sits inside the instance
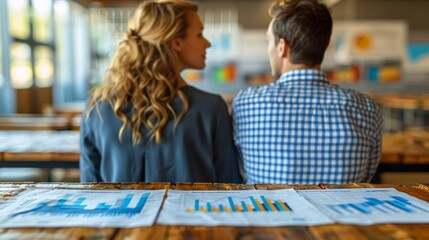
(301, 129)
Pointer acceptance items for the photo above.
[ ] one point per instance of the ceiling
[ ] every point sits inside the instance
(133, 3)
(110, 3)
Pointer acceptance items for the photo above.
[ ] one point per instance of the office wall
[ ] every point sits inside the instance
(254, 13)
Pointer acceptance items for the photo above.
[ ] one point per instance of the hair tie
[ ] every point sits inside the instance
(132, 34)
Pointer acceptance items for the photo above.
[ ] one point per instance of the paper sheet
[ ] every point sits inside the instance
(239, 208)
(95, 208)
(369, 205)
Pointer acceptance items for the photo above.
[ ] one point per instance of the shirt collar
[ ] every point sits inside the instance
(301, 75)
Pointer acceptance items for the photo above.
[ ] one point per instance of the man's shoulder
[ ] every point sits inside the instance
(254, 92)
(361, 99)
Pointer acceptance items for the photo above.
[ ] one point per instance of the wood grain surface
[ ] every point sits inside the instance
(327, 232)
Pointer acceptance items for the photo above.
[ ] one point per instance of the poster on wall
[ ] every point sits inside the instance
(372, 50)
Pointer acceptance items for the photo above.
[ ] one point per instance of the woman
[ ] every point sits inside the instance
(145, 123)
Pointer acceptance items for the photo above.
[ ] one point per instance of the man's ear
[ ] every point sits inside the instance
(282, 48)
(176, 44)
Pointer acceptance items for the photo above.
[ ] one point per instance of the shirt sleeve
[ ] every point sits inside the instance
(225, 155)
(89, 156)
(375, 154)
(237, 141)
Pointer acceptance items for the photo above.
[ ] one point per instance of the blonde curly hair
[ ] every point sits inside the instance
(143, 73)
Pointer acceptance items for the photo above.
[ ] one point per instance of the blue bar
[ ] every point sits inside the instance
(126, 201)
(257, 209)
(209, 207)
(408, 203)
(63, 200)
(287, 205)
(401, 199)
(220, 208)
(266, 204)
(197, 205)
(278, 206)
(360, 208)
(232, 204)
(345, 207)
(79, 201)
(142, 202)
(333, 208)
(400, 206)
(374, 201)
(243, 204)
(101, 206)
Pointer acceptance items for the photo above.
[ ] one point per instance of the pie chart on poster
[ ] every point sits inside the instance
(363, 42)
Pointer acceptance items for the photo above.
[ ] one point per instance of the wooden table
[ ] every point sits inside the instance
(404, 152)
(39, 149)
(34, 122)
(332, 231)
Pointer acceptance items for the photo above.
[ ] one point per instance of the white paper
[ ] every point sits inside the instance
(94, 208)
(239, 208)
(8, 190)
(369, 205)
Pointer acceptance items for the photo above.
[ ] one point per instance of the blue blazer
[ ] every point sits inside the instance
(199, 149)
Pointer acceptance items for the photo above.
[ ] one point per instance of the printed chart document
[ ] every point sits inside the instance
(369, 206)
(239, 208)
(94, 208)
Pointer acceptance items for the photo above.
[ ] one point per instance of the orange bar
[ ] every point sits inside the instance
(283, 205)
(272, 205)
(260, 205)
(190, 210)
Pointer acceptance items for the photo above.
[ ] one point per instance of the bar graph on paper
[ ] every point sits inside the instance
(239, 208)
(369, 206)
(83, 208)
(246, 204)
(75, 207)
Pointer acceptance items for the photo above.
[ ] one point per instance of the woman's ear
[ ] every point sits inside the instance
(176, 44)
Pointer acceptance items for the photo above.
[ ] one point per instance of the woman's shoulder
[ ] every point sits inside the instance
(199, 96)
(99, 109)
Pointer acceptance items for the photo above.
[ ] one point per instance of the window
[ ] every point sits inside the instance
(43, 66)
(19, 22)
(2, 80)
(32, 48)
(42, 20)
(21, 71)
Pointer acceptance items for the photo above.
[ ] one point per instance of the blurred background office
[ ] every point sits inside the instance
(54, 51)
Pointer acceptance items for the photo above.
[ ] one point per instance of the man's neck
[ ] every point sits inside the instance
(290, 67)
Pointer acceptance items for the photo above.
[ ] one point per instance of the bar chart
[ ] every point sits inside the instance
(76, 207)
(239, 208)
(368, 206)
(371, 205)
(247, 204)
(96, 208)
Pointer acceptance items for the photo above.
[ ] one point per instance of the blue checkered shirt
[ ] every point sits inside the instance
(303, 130)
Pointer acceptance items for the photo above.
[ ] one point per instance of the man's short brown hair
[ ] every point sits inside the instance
(306, 25)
